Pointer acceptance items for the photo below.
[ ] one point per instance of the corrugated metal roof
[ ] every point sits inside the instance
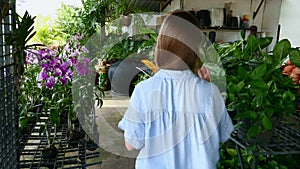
(151, 5)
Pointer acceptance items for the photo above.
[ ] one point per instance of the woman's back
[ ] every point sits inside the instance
(180, 121)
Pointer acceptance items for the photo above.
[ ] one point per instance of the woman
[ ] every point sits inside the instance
(175, 119)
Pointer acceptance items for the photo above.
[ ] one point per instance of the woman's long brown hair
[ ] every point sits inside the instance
(178, 42)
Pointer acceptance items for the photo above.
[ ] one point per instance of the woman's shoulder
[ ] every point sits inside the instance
(144, 83)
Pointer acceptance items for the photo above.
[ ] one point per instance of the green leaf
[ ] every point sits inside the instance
(266, 122)
(247, 114)
(264, 42)
(243, 34)
(232, 88)
(231, 152)
(269, 112)
(288, 96)
(249, 158)
(268, 59)
(252, 45)
(54, 116)
(289, 108)
(294, 56)
(256, 91)
(240, 85)
(253, 131)
(259, 84)
(242, 72)
(258, 100)
(23, 122)
(274, 88)
(249, 150)
(259, 71)
(231, 96)
(281, 49)
(270, 83)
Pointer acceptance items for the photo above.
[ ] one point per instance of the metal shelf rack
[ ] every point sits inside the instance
(82, 155)
(285, 140)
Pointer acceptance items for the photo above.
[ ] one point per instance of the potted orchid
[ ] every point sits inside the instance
(55, 68)
(58, 67)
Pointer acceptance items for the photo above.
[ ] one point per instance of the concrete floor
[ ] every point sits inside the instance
(113, 152)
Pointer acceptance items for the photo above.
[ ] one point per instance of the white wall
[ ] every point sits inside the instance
(270, 20)
(239, 7)
(289, 21)
(266, 20)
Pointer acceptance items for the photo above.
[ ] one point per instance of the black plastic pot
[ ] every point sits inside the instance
(91, 145)
(49, 153)
(123, 74)
(74, 137)
(204, 17)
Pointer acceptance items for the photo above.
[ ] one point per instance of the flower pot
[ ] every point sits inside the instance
(91, 145)
(49, 153)
(74, 137)
(123, 74)
(103, 78)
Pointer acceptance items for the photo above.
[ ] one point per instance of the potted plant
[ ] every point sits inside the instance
(27, 91)
(127, 53)
(258, 93)
(50, 151)
(86, 97)
(57, 68)
(30, 105)
(124, 10)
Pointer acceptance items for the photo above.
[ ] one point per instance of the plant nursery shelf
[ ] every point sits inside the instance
(81, 155)
(225, 29)
(285, 140)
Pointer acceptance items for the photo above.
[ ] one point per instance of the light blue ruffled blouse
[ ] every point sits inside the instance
(177, 121)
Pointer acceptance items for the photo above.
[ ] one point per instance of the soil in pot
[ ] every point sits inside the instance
(49, 153)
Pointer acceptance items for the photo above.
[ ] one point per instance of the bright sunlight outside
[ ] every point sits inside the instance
(45, 8)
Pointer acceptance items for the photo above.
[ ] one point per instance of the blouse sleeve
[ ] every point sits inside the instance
(132, 123)
(225, 127)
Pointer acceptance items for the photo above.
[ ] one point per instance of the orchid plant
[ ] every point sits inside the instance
(54, 69)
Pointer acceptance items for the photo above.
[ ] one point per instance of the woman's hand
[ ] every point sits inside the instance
(203, 73)
(128, 146)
